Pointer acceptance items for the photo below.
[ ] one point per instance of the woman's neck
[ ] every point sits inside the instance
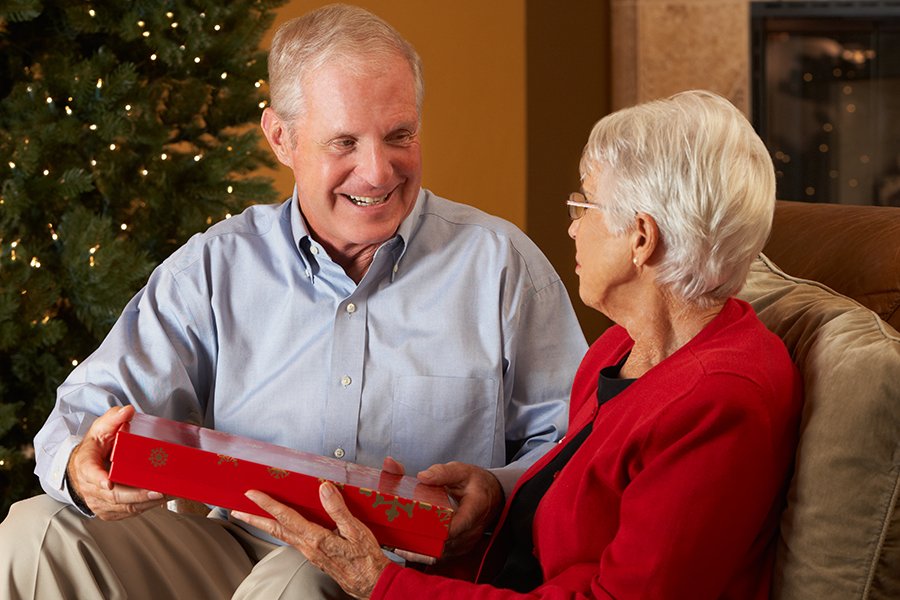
(661, 329)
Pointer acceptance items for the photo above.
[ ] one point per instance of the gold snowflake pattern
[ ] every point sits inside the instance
(393, 504)
(277, 473)
(226, 459)
(158, 457)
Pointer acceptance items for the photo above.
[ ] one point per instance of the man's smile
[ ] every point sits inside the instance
(367, 200)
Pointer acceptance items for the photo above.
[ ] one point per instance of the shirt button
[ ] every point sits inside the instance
(314, 250)
(351, 308)
(339, 453)
(345, 381)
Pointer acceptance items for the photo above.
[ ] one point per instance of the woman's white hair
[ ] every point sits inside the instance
(303, 45)
(694, 163)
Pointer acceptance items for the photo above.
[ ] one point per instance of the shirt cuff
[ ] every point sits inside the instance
(57, 473)
(508, 476)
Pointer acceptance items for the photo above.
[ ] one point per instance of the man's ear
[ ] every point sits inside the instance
(645, 238)
(278, 135)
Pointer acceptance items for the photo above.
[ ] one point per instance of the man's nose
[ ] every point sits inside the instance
(573, 228)
(375, 165)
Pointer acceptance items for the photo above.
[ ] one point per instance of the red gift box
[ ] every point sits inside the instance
(217, 468)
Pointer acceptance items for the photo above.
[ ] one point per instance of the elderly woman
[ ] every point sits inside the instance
(684, 415)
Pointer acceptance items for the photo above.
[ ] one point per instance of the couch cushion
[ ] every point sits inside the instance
(840, 532)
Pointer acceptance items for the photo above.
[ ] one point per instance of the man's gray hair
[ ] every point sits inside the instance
(694, 163)
(338, 31)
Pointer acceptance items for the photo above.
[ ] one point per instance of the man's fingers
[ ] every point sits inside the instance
(449, 474)
(87, 472)
(392, 466)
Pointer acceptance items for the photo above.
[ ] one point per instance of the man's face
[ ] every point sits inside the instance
(356, 156)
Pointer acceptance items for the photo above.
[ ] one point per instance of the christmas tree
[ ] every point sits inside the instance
(126, 126)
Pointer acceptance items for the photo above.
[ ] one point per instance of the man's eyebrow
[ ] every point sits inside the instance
(409, 125)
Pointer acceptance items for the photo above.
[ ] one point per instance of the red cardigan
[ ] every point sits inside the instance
(678, 489)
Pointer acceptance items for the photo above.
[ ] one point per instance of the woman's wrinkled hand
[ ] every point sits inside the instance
(350, 555)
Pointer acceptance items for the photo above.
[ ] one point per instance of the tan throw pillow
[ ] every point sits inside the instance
(840, 532)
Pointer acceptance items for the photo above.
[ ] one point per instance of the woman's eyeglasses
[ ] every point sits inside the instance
(577, 204)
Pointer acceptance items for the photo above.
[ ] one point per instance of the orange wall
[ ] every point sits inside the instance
(473, 125)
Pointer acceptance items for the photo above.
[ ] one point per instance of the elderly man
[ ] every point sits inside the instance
(364, 318)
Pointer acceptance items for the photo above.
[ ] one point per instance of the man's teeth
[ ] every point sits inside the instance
(364, 201)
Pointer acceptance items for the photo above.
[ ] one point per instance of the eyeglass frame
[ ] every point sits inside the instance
(573, 205)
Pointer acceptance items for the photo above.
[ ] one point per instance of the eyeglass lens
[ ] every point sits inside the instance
(576, 212)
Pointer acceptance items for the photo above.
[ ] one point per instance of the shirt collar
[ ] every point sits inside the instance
(302, 239)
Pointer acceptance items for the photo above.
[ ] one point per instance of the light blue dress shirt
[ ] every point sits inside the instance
(459, 338)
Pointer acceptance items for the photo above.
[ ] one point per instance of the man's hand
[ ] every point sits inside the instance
(480, 500)
(350, 555)
(88, 472)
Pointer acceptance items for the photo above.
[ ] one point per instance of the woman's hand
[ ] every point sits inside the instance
(351, 555)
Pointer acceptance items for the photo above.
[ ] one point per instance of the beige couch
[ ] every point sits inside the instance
(840, 532)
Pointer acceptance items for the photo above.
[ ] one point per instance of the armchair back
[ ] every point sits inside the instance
(840, 530)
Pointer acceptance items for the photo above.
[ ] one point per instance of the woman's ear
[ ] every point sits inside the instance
(278, 136)
(645, 239)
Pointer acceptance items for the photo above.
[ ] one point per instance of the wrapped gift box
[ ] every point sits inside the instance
(217, 468)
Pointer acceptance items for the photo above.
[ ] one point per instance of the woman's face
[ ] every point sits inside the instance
(603, 261)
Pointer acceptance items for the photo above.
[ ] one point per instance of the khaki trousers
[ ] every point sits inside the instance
(50, 551)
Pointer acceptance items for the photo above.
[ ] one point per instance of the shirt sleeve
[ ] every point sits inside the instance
(155, 358)
(544, 350)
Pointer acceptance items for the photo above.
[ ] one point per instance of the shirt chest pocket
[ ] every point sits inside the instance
(441, 419)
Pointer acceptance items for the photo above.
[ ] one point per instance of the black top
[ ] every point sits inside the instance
(522, 572)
